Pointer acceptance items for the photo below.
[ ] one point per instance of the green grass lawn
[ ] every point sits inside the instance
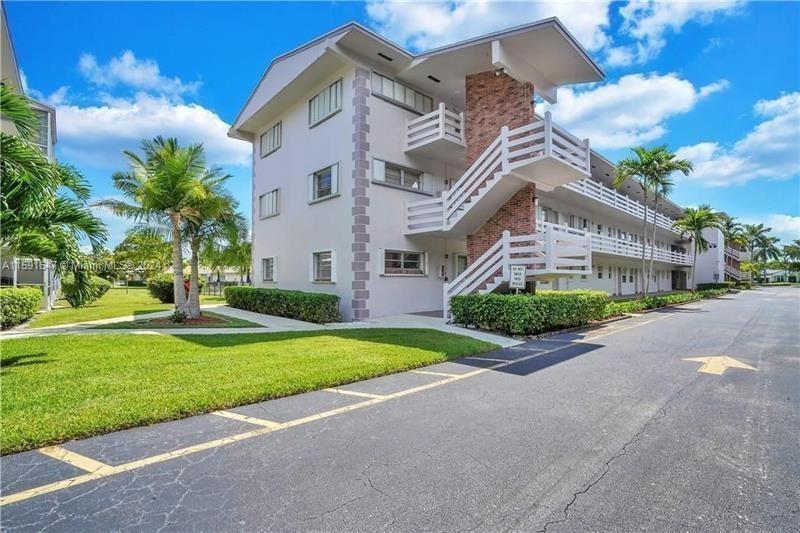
(228, 322)
(62, 387)
(115, 303)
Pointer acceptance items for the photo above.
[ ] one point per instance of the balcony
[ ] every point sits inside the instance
(610, 197)
(602, 244)
(439, 135)
(540, 153)
(738, 275)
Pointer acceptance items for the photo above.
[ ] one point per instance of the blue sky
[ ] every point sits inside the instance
(717, 81)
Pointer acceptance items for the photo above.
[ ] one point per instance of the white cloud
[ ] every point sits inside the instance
(647, 22)
(769, 150)
(96, 135)
(426, 25)
(24, 80)
(785, 227)
(630, 111)
(127, 69)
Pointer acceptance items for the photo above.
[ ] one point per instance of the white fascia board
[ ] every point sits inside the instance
(522, 71)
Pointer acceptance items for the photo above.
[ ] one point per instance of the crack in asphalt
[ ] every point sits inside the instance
(606, 468)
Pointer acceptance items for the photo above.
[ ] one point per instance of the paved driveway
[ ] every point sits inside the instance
(608, 430)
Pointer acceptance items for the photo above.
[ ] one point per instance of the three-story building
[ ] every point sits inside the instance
(398, 180)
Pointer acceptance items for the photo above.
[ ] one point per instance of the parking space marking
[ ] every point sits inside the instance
(103, 470)
(74, 459)
(431, 373)
(491, 359)
(355, 393)
(248, 419)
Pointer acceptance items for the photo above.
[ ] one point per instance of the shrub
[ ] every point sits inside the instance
(621, 307)
(18, 305)
(707, 286)
(308, 306)
(178, 317)
(85, 290)
(744, 285)
(526, 314)
(160, 287)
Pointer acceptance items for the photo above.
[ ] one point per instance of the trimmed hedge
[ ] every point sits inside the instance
(77, 295)
(722, 285)
(307, 306)
(622, 307)
(161, 287)
(528, 314)
(18, 305)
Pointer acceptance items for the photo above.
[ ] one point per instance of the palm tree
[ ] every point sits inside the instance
(43, 204)
(666, 164)
(767, 250)
(215, 209)
(237, 250)
(164, 184)
(692, 224)
(752, 233)
(732, 230)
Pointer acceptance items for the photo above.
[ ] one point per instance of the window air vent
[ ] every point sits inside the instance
(437, 80)
(384, 56)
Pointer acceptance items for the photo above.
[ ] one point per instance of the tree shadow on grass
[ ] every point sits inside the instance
(22, 360)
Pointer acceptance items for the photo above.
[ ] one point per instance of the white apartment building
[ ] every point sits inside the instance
(15, 271)
(398, 180)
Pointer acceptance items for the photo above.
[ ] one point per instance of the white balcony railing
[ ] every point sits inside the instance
(611, 245)
(738, 275)
(610, 197)
(440, 123)
(737, 255)
(519, 151)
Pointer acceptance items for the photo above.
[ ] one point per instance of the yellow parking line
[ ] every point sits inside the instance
(75, 459)
(101, 470)
(431, 373)
(248, 419)
(491, 359)
(354, 393)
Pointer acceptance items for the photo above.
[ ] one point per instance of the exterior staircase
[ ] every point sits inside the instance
(540, 152)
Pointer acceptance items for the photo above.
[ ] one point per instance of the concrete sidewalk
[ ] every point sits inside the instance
(267, 323)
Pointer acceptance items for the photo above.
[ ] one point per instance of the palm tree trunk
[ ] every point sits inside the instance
(177, 264)
(644, 239)
(652, 244)
(194, 283)
(694, 266)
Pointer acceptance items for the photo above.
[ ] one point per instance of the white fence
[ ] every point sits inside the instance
(438, 124)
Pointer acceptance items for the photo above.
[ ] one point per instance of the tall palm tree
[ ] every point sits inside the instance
(237, 248)
(215, 209)
(164, 184)
(665, 165)
(43, 204)
(639, 169)
(752, 233)
(731, 229)
(692, 224)
(767, 250)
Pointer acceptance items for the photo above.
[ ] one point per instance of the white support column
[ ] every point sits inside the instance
(504, 152)
(588, 156)
(14, 271)
(549, 249)
(548, 134)
(442, 123)
(505, 249)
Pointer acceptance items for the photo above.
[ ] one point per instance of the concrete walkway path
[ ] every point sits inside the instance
(267, 324)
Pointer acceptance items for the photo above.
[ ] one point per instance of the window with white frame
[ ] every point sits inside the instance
(461, 264)
(268, 269)
(401, 94)
(268, 204)
(599, 272)
(271, 139)
(397, 175)
(401, 263)
(327, 102)
(323, 183)
(322, 267)
(43, 132)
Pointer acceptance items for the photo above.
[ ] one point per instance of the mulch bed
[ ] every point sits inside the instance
(202, 321)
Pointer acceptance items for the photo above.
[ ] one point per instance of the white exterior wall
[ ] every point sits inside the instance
(711, 263)
(302, 228)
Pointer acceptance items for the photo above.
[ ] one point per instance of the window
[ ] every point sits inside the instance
(404, 263)
(323, 183)
(271, 140)
(268, 204)
(41, 139)
(322, 268)
(325, 103)
(599, 229)
(548, 215)
(401, 94)
(398, 176)
(461, 264)
(268, 269)
(599, 272)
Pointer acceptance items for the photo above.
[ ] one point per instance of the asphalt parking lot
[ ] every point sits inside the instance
(638, 425)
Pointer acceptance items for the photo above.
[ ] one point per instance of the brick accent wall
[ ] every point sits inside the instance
(360, 226)
(494, 101)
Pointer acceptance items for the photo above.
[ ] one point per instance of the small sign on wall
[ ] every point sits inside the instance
(517, 280)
